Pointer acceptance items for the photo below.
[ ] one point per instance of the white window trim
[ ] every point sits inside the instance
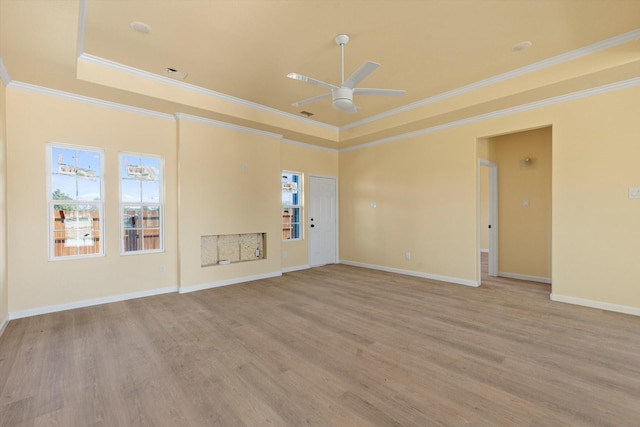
(51, 203)
(121, 204)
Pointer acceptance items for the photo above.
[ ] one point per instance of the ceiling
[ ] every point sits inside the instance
(237, 53)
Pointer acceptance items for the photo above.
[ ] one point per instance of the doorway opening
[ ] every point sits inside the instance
(514, 211)
(488, 216)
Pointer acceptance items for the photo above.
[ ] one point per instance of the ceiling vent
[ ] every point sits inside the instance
(175, 73)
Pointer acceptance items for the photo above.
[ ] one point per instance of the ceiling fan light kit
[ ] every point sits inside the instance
(342, 96)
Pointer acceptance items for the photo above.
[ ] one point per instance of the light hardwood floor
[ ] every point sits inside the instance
(335, 345)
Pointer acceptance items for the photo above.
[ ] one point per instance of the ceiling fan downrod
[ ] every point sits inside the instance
(341, 40)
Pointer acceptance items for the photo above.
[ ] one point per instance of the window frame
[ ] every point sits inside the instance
(299, 206)
(122, 205)
(51, 202)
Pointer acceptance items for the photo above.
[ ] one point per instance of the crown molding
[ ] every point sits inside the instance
(558, 59)
(311, 146)
(495, 114)
(555, 60)
(82, 18)
(165, 80)
(4, 73)
(501, 113)
(88, 100)
(217, 123)
(200, 90)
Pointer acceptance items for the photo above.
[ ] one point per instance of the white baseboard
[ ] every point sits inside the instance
(236, 280)
(546, 280)
(447, 279)
(296, 268)
(90, 302)
(115, 298)
(4, 324)
(635, 311)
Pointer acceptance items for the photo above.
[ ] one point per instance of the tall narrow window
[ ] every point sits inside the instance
(291, 205)
(141, 208)
(76, 202)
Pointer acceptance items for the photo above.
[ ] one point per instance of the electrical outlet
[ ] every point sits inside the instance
(407, 255)
(634, 193)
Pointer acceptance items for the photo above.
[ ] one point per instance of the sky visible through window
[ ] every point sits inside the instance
(140, 179)
(77, 176)
(76, 173)
(290, 189)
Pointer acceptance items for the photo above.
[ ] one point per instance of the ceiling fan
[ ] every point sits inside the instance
(342, 95)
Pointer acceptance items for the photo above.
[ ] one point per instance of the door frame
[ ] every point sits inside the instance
(308, 212)
(493, 218)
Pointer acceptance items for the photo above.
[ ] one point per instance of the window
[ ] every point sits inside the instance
(141, 208)
(76, 202)
(291, 205)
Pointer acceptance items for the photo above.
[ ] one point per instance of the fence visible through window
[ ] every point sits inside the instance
(141, 208)
(81, 235)
(76, 235)
(142, 234)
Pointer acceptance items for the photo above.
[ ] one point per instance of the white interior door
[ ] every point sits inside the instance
(322, 223)
(493, 216)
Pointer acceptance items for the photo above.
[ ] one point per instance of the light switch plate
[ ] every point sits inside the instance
(634, 193)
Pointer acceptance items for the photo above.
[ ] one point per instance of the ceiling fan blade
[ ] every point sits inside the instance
(296, 76)
(379, 92)
(309, 100)
(359, 75)
(354, 109)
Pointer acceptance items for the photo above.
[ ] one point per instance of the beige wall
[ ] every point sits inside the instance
(308, 161)
(4, 291)
(425, 188)
(596, 157)
(34, 119)
(524, 232)
(229, 184)
(425, 194)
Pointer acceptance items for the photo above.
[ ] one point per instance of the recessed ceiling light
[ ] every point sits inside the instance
(140, 27)
(521, 46)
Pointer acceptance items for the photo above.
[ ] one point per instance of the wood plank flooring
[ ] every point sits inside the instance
(331, 346)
